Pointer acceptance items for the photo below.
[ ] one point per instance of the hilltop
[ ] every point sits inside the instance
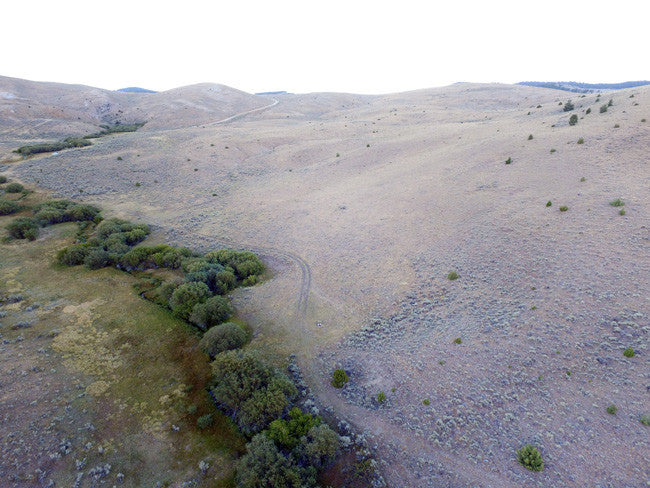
(362, 206)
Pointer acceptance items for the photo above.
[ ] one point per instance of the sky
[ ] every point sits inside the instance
(355, 46)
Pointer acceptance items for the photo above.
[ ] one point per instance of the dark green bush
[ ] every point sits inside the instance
(612, 409)
(573, 120)
(564, 208)
(318, 448)
(339, 378)
(7, 207)
(588, 111)
(243, 263)
(568, 106)
(264, 466)
(204, 421)
(617, 203)
(629, 352)
(287, 433)
(530, 458)
(23, 228)
(644, 419)
(3, 179)
(452, 275)
(549, 203)
(111, 129)
(603, 109)
(250, 390)
(211, 312)
(97, 258)
(223, 337)
(509, 161)
(186, 297)
(14, 188)
(73, 255)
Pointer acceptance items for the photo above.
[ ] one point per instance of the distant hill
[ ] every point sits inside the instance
(135, 89)
(577, 87)
(272, 93)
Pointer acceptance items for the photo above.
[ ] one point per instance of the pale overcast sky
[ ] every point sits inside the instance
(306, 46)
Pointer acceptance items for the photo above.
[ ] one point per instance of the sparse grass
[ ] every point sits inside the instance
(629, 352)
(530, 458)
(612, 409)
(564, 208)
(452, 276)
(617, 203)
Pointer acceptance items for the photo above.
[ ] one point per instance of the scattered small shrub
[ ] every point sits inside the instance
(452, 275)
(549, 203)
(458, 340)
(553, 150)
(581, 141)
(588, 111)
(23, 228)
(530, 458)
(568, 106)
(564, 208)
(611, 102)
(339, 378)
(573, 120)
(204, 421)
(223, 337)
(426, 401)
(645, 419)
(509, 160)
(612, 409)
(629, 352)
(616, 126)
(119, 158)
(642, 120)
(3, 179)
(603, 109)
(530, 137)
(14, 188)
(617, 203)
(381, 397)
(621, 211)
(7, 207)
(583, 179)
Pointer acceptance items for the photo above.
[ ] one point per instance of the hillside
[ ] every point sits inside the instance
(362, 205)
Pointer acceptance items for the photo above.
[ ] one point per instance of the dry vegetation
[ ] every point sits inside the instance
(362, 206)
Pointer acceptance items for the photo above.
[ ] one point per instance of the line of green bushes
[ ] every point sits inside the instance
(71, 142)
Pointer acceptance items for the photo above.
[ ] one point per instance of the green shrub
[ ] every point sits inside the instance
(14, 188)
(186, 296)
(3, 179)
(530, 137)
(252, 391)
(381, 397)
(509, 160)
(603, 109)
(581, 141)
(264, 465)
(97, 258)
(568, 106)
(588, 111)
(530, 458)
(452, 275)
(458, 340)
(204, 421)
(621, 211)
(617, 203)
(223, 337)
(553, 150)
(72, 255)
(211, 312)
(110, 129)
(319, 446)
(549, 203)
(339, 378)
(629, 352)
(612, 409)
(426, 401)
(573, 120)
(23, 228)
(287, 433)
(611, 102)
(7, 207)
(243, 263)
(645, 419)
(564, 208)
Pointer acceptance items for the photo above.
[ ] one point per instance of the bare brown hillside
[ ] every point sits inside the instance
(362, 205)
